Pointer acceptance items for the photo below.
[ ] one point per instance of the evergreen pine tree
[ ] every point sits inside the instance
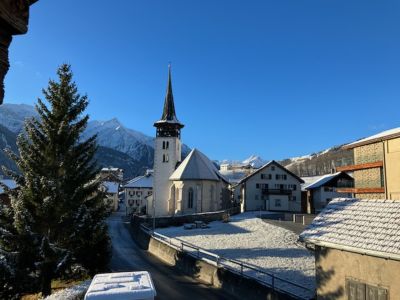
(58, 207)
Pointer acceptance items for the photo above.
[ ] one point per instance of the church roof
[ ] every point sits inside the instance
(196, 166)
(169, 115)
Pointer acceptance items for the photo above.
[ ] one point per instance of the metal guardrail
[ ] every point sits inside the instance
(245, 270)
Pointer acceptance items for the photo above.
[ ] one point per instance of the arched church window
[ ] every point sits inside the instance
(190, 198)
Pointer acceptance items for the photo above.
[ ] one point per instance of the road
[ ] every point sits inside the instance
(169, 283)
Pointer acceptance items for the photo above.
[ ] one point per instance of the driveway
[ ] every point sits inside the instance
(169, 282)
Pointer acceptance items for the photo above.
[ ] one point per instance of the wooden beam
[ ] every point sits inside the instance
(376, 164)
(361, 190)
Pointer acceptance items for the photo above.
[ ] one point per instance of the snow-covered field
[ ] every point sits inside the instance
(250, 240)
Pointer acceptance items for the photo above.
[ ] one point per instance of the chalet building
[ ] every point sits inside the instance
(357, 249)
(111, 189)
(112, 174)
(189, 186)
(320, 190)
(136, 192)
(271, 187)
(376, 166)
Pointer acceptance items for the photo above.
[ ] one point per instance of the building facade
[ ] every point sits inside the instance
(111, 190)
(376, 166)
(320, 190)
(136, 193)
(272, 187)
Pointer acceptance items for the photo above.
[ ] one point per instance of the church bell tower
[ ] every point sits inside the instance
(167, 153)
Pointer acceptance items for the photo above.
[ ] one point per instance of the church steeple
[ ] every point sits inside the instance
(169, 125)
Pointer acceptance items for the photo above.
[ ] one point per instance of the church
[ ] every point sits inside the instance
(193, 185)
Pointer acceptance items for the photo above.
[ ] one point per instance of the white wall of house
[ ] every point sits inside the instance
(135, 199)
(253, 198)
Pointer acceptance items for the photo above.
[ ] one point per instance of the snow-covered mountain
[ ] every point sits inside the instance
(12, 116)
(114, 135)
(124, 142)
(255, 161)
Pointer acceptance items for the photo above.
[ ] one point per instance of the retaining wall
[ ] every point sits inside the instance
(179, 220)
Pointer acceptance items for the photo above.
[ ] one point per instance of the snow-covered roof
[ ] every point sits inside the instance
(358, 225)
(196, 166)
(111, 169)
(145, 181)
(124, 285)
(384, 135)
(11, 184)
(272, 162)
(318, 181)
(111, 186)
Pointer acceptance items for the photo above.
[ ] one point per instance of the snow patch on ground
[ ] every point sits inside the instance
(73, 293)
(250, 240)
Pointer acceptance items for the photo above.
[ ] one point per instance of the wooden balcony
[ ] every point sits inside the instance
(361, 190)
(376, 164)
(276, 192)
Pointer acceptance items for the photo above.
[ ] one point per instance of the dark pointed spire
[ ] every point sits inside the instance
(169, 124)
(169, 106)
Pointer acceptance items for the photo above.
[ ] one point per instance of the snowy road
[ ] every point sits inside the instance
(170, 284)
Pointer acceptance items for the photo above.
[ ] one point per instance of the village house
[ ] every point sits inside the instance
(136, 192)
(318, 191)
(357, 249)
(272, 187)
(189, 186)
(376, 166)
(112, 174)
(111, 190)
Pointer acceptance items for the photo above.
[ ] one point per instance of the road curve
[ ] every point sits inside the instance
(169, 283)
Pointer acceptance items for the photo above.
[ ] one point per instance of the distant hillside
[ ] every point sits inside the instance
(319, 163)
(7, 140)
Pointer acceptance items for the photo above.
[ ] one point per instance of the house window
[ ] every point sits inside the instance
(269, 176)
(163, 144)
(272, 168)
(278, 203)
(166, 145)
(293, 198)
(356, 290)
(257, 185)
(190, 198)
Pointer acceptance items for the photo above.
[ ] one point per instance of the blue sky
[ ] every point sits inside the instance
(274, 78)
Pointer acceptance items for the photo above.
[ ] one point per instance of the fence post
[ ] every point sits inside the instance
(294, 218)
(304, 220)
